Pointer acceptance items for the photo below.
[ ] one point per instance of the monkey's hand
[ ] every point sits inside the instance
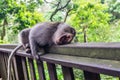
(38, 55)
(27, 50)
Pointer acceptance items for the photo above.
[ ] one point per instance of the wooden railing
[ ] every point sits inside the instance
(93, 58)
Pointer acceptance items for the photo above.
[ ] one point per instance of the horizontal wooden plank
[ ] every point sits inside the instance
(19, 52)
(109, 51)
(110, 67)
(94, 45)
(90, 44)
(7, 45)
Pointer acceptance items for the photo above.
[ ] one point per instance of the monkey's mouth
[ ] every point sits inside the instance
(65, 39)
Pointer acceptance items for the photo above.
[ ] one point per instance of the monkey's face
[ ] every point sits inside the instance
(65, 36)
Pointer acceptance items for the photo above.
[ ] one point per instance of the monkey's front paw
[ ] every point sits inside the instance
(28, 50)
(36, 57)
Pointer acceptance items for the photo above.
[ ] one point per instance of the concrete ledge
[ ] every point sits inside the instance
(109, 51)
(92, 50)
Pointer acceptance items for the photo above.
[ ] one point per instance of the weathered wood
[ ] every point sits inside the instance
(20, 68)
(8, 46)
(15, 68)
(13, 76)
(41, 70)
(32, 70)
(67, 73)
(52, 71)
(19, 52)
(5, 56)
(109, 67)
(91, 76)
(25, 70)
(92, 58)
(93, 50)
(11, 67)
(3, 66)
(109, 51)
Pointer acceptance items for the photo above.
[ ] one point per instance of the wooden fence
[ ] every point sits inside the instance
(93, 58)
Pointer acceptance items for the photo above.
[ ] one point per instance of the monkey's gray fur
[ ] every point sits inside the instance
(43, 35)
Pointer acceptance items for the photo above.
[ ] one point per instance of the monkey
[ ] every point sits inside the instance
(24, 42)
(42, 35)
(55, 33)
(24, 39)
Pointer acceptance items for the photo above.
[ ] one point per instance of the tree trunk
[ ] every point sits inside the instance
(102, 1)
(66, 15)
(85, 34)
(3, 32)
(3, 29)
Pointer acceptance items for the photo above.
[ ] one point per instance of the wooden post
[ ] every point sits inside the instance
(91, 76)
(52, 71)
(68, 73)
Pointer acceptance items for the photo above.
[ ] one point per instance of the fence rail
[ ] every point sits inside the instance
(93, 58)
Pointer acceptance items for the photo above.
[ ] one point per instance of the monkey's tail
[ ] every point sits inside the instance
(9, 60)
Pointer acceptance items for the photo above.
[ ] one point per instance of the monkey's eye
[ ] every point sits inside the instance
(73, 31)
(66, 30)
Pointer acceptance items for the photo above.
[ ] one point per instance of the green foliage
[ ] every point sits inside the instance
(3, 41)
(78, 74)
(92, 16)
(115, 31)
(25, 16)
(59, 72)
(114, 9)
(105, 77)
(27, 19)
(15, 16)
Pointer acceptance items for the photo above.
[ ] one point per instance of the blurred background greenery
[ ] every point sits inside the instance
(94, 20)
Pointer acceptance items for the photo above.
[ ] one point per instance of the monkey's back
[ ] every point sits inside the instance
(42, 33)
(24, 36)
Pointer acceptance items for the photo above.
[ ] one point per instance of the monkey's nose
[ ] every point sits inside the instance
(69, 37)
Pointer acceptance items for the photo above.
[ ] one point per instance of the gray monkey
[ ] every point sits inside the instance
(43, 35)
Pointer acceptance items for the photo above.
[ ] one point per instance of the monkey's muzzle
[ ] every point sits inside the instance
(65, 39)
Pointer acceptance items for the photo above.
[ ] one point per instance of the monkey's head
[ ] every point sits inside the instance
(64, 34)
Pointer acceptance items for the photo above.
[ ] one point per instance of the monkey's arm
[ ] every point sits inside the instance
(33, 47)
(9, 60)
